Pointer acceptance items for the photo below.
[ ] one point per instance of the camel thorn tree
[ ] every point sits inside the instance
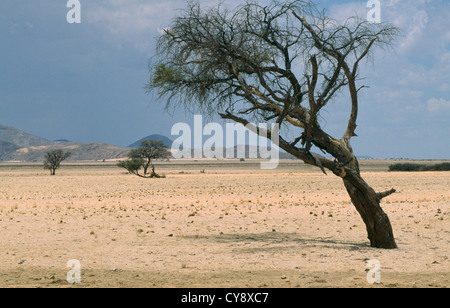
(144, 156)
(280, 63)
(53, 160)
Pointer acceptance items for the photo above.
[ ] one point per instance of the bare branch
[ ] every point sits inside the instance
(242, 60)
(385, 194)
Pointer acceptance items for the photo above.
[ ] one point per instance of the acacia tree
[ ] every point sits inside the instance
(144, 156)
(281, 63)
(53, 160)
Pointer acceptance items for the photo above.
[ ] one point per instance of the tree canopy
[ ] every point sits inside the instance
(53, 160)
(282, 63)
(144, 156)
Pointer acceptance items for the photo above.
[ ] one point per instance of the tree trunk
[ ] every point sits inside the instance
(145, 170)
(367, 203)
(154, 174)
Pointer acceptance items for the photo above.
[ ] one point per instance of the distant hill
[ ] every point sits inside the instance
(21, 138)
(61, 140)
(6, 147)
(80, 151)
(16, 145)
(248, 152)
(162, 138)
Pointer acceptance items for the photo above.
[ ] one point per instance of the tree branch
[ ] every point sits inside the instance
(303, 154)
(385, 194)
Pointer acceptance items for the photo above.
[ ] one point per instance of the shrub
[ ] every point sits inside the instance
(441, 167)
(408, 167)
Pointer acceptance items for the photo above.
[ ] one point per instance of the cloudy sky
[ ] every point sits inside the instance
(85, 82)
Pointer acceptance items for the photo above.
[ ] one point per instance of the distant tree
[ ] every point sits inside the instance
(143, 158)
(53, 160)
(132, 165)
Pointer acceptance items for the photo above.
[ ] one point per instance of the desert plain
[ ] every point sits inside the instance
(217, 224)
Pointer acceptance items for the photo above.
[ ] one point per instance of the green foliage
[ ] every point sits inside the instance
(150, 149)
(405, 167)
(164, 74)
(144, 156)
(418, 167)
(132, 165)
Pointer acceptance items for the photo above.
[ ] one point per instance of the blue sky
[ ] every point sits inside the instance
(85, 82)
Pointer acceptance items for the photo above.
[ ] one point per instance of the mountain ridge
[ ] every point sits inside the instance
(20, 138)
(17, 145)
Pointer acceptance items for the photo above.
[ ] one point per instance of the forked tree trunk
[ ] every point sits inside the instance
(367, 203)
(363, 197)
(377, 223)
(154, 174)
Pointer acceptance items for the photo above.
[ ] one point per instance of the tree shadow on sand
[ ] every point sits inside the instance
(278, 241)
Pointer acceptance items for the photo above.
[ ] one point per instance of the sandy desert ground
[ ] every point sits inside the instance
(232, 225)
